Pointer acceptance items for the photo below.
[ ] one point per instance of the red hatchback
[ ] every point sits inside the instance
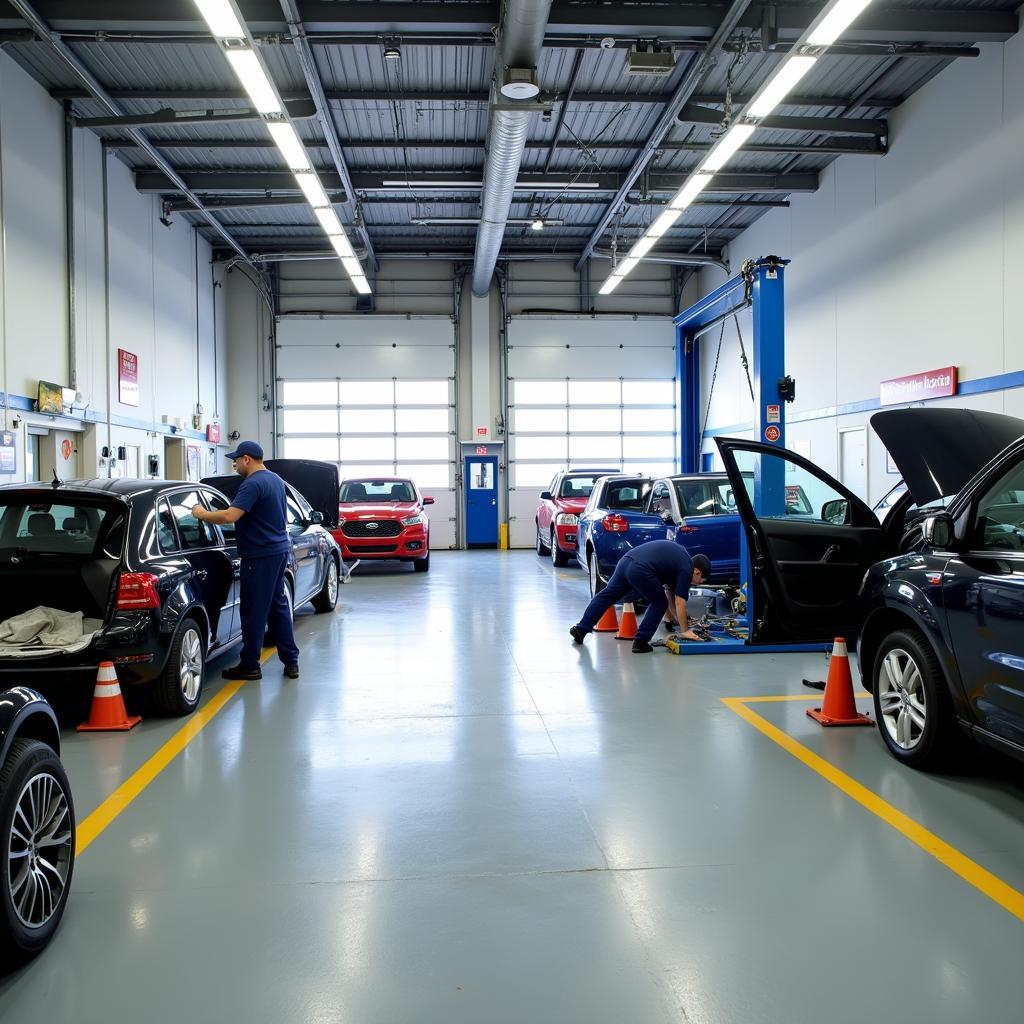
(383, 517)
(559, 510)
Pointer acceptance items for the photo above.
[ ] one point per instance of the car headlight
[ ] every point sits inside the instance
(414, 520)
(566, 519)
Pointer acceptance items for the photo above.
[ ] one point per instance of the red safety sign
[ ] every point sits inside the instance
(481, 449)
(481, 431)
(772, 434)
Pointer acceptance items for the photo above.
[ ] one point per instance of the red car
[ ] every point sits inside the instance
(559, 510)
(383, 517)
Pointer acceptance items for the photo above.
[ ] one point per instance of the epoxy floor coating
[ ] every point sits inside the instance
(456, 815)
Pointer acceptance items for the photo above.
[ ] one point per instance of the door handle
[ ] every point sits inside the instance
(200, 574)
(236, 564)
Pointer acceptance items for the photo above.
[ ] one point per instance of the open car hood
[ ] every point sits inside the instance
(939, 450)
(317, 482)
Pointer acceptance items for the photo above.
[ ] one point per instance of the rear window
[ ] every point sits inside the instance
(628, 495)
(60, 528)
(377, 490)
(578, 486)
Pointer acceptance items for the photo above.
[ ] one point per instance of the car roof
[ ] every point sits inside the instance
(382, 479)
(584, 469)
(124, 487)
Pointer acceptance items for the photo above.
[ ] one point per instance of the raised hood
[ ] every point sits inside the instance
(317, 482)
(939, 450)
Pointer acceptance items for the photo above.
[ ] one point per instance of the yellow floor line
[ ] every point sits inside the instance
(92, 826)
(971, 872)
(789, 696)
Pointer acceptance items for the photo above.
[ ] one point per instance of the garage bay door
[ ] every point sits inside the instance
(377, 399)
(587, 393)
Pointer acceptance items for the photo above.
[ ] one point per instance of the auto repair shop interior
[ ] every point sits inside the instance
(507, 292)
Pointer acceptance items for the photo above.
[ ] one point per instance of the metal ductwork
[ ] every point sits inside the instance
(520, 39)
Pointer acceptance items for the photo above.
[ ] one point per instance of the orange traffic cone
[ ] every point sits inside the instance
(108, 712)
(839, 707)
(608, 623)
(627, 627)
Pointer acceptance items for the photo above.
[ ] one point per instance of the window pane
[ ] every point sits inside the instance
(649, 419)
(310, 392)
(434, 448)
(310, 421)
(804, 494)
(481, 476)
(218, 504)
(539, 447)
(639, 447)
(552, 421)
(367, 392)
(354, 470)
(422, 421)
(323, 448)
(595, 392)
(602, 449)
(369, 489)
(652, 469)
(367, 421)
(607, 420)
(379, 449)
(437, 475)
(999, 523)
(539, 392)
(648, 392)
(194, 533)
(532, 474)
(421, 392)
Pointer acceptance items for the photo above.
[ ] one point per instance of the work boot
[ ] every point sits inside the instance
(239, 672)
(642, 647)
(292, 670)
(577, 634)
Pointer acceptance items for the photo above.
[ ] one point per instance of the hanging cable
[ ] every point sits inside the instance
(743, 355)
(711, 390)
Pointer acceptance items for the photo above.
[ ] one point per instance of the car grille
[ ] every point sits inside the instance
(373, 528)
(375, 549)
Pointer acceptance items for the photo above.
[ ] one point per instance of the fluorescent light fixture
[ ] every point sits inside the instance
(836, 22)
(254, 80)
(779, 85)
(626, 265)
(537, 224)
(352, 266)
(611, 282)
(663, 223)
(360, 284)
(328, 220)
(727, 145)
(407, 183)
(692, 187)
(220, 16)
(312, 189)
(288, 142)
(342, 246)
(643, 245)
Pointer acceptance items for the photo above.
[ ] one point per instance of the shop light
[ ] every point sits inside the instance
(312, 189)
(343, 247)
(360, 284)
(727, 146)
(537, 224)
(254, 80)
(692, 187)
(328, 220)
(780, 85)
(643, 245)
(221, 17)
(835, 22)
(663, 223)
(287, 140)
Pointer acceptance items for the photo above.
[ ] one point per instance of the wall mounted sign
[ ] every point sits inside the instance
(8, 454)
(50, 399)
(481, 431)
(66, 449)
(920, 387)
(772, 434)
(127, 377)
(213, 433)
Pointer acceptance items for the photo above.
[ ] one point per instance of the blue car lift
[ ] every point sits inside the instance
(760, 287)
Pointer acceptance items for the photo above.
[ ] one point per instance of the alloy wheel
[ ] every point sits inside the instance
(191, 665)
(39, 850)
(901, 698)
(594, 582)
(332, 581)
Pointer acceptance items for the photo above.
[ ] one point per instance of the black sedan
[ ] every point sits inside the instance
(157, 589)
(935, 591)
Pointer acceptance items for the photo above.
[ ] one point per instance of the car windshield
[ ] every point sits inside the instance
(33, 526)
(626, 495)
(578, 486)
(376, 491)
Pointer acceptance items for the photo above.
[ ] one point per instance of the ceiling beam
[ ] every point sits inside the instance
(694, 114)
(298, 110)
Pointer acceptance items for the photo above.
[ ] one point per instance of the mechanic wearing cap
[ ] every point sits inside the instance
(649, 570)
(259, 512)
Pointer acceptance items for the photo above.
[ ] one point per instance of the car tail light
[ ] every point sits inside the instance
(686, 529)
(137, 591)
(615, 524)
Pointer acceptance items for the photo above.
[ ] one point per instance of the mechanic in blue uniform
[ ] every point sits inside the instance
(259, 512)
(649, 570)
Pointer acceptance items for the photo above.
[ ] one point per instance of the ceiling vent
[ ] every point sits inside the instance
(647, 60)
(520, 84)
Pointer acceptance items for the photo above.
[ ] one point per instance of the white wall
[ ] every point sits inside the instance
(161, 289)
(899, 264)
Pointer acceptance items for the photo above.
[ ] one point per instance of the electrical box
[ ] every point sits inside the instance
(647, 60)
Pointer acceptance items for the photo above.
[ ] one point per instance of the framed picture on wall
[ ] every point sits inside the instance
(51, 398)
(193, 462)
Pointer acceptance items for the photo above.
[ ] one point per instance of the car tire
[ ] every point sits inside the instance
(559, 559)
(542, 549)
(913, 708)
(422, 564)
(179, 688)
(27, 923)
(596, 586)
(327, 598)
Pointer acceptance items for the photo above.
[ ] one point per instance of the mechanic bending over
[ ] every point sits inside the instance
(651, 570)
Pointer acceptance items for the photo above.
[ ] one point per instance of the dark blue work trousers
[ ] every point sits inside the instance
(627, 581)
(263, 602)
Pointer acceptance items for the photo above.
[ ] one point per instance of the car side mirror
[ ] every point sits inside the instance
(836, 511)
(316, 518)
(428, 501)
(937, 530)
(546, 496)
(666, 517)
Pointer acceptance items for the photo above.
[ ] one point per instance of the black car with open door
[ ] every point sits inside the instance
(935, 595)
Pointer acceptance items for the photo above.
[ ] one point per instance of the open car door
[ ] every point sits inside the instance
(810, 538)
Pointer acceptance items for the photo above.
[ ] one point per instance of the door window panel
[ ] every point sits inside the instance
(358, 448)
(651, 468)
(547, 421)
(595, 419)
(999, 521)
(294, 524)
(433, 449)
(323, 448)
(310, 421)
(357, 470)
(802, 494)
(367, 421)
(431, 475)
(309, 392)
(421, 421)
(600, 448)
(481, 476)
(649, 420)
(218, 504)
(541, 448)
(640, 447)
(421, 392)
(367, 392)
(193, 533)
(531, 474)
(648, 392)
(539, 392)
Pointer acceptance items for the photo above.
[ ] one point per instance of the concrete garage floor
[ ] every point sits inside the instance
(458, 816)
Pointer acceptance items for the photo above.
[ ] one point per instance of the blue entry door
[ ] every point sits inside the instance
(481, 501)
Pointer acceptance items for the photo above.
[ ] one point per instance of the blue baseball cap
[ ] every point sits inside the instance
(250, 448)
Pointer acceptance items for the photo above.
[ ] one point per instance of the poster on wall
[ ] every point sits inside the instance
(8, 454)
(211, 462)
(51, 398)
(127, 377)
(193, 462)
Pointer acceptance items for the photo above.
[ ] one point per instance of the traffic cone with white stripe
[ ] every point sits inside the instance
(108, 712)
(839, 707)
(608, 623)
(627, 624)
